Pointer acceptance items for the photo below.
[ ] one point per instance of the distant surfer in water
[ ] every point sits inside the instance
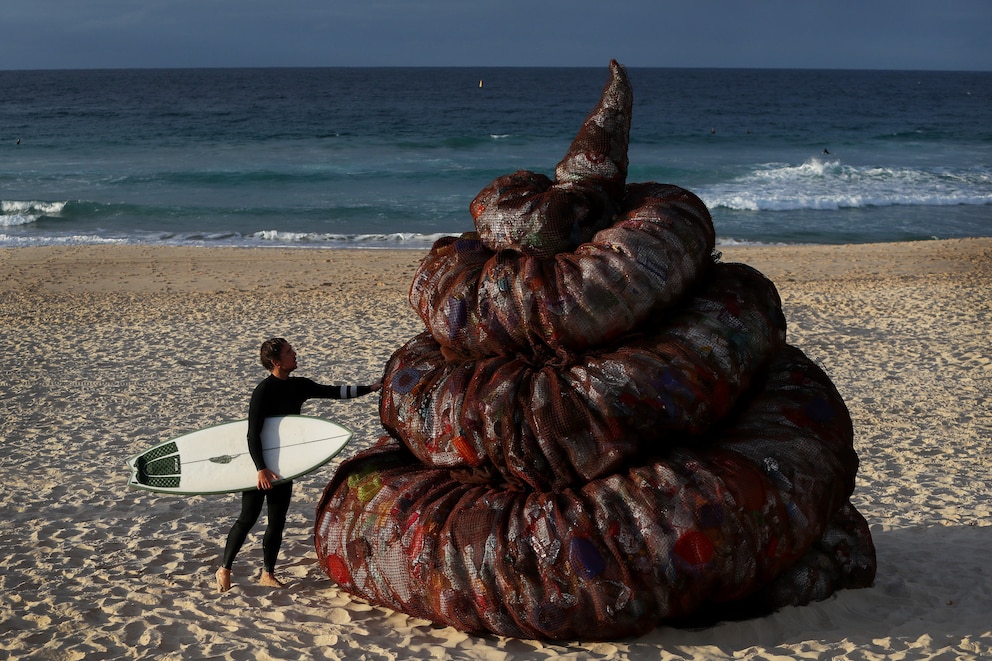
(277, 394)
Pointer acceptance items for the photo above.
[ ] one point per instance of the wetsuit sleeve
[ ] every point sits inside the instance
(318, 391)
(256, 418)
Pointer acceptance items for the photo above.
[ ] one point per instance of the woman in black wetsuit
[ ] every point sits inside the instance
(277, 394)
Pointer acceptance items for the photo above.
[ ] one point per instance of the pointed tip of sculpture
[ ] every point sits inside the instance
(599, 150)
(617, 70)
(531, 213)
(618, 90)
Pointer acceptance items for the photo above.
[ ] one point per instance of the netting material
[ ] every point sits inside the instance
(588, 442)
(529, 212)
(617, 555)
(479, 302)
(551, 424)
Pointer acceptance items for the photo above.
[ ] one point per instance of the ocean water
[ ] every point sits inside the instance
(392, 157)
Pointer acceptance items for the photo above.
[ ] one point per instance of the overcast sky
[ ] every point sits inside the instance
(846, 34)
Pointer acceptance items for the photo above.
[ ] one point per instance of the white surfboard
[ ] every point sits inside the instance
(216, 459)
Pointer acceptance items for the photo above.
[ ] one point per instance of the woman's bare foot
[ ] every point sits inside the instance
(269, 579)
(223, 579)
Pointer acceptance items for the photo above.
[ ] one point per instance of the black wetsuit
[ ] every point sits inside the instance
(275, 397)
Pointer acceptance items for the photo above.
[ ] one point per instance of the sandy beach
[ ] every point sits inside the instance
(110, 349)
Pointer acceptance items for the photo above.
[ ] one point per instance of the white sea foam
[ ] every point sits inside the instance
(16, 212)
(392, 240)
(820, 184)
(11, 241)
(730, 242)
(13, 219)
(269, 238)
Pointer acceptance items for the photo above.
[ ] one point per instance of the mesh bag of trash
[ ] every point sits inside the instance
(843, 557)
(601, 428)
(548, 425)
(479, 302)
(530, 213)
(670, 534)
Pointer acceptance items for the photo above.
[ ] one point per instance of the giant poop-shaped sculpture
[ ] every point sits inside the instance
(601, 428)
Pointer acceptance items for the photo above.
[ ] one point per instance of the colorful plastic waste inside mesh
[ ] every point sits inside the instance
(601, 428)
(547, 425)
